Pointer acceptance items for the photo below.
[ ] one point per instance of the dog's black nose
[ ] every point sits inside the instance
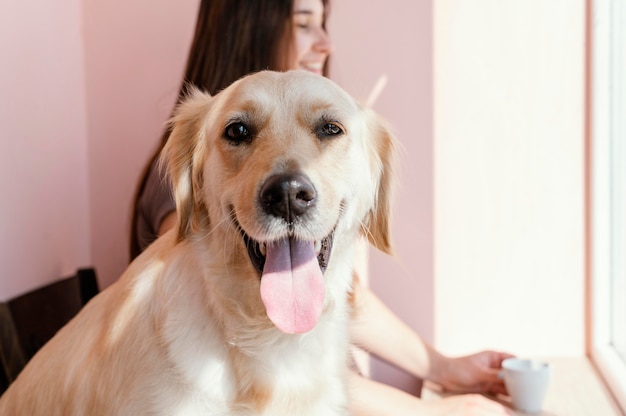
(288, 195)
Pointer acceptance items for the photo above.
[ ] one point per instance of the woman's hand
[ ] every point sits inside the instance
(476, 373)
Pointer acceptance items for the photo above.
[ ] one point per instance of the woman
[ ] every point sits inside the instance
(234, 38)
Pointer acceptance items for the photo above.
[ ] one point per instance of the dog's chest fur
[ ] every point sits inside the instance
(235, 361)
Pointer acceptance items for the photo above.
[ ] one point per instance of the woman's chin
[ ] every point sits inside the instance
(314, 70)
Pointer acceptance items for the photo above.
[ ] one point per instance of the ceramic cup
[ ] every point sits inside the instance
(527, 382)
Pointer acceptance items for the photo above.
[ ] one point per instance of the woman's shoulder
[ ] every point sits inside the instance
(155, 202)
(157, 189)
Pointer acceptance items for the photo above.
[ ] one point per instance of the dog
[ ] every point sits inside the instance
(243, 308)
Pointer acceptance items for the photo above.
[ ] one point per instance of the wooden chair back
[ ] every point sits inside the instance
(28, 321)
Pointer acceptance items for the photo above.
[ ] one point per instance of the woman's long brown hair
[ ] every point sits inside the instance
(233, 38)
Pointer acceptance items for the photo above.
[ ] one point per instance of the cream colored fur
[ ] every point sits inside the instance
(184, 331)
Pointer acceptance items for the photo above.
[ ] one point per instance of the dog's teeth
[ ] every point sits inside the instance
(318, 246)
(258, 251)
(263, 249)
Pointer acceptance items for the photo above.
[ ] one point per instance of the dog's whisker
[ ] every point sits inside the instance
(212, 230)
(366, 230)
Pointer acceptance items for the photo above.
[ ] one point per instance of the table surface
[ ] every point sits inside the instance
(575, 389)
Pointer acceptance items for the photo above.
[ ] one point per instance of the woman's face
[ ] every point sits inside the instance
(311, 43)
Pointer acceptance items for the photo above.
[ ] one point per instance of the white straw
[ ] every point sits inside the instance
(376, 90)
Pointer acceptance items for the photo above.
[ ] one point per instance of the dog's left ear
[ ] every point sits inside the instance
(384, 145)
(183, 157)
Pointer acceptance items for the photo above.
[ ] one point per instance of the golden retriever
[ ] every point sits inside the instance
(243, 308)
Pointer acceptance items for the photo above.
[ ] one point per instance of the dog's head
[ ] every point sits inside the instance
(289, 163)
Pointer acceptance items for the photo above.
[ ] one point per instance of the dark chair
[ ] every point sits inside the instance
(28, 321)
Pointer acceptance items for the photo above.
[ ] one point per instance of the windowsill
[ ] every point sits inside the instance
(576, 389)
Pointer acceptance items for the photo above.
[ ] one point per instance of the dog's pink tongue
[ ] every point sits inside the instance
(292, 286)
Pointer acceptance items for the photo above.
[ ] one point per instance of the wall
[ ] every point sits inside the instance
(135, 53)
(509, 176)
(44, 214)
(84, 94)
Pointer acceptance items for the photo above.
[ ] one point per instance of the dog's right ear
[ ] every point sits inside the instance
(183, 158)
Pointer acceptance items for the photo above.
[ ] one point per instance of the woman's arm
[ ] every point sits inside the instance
(168, 222)
(378, 330)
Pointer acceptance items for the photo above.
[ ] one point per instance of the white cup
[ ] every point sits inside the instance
(527, 382)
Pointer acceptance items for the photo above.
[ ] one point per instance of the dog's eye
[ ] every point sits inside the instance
(237, 132)
(330, 129)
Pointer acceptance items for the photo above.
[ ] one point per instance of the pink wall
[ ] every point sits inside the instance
(135, 52)
(44, 214)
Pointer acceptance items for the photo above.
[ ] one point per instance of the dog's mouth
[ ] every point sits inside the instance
(257, 251)
(292, 281)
